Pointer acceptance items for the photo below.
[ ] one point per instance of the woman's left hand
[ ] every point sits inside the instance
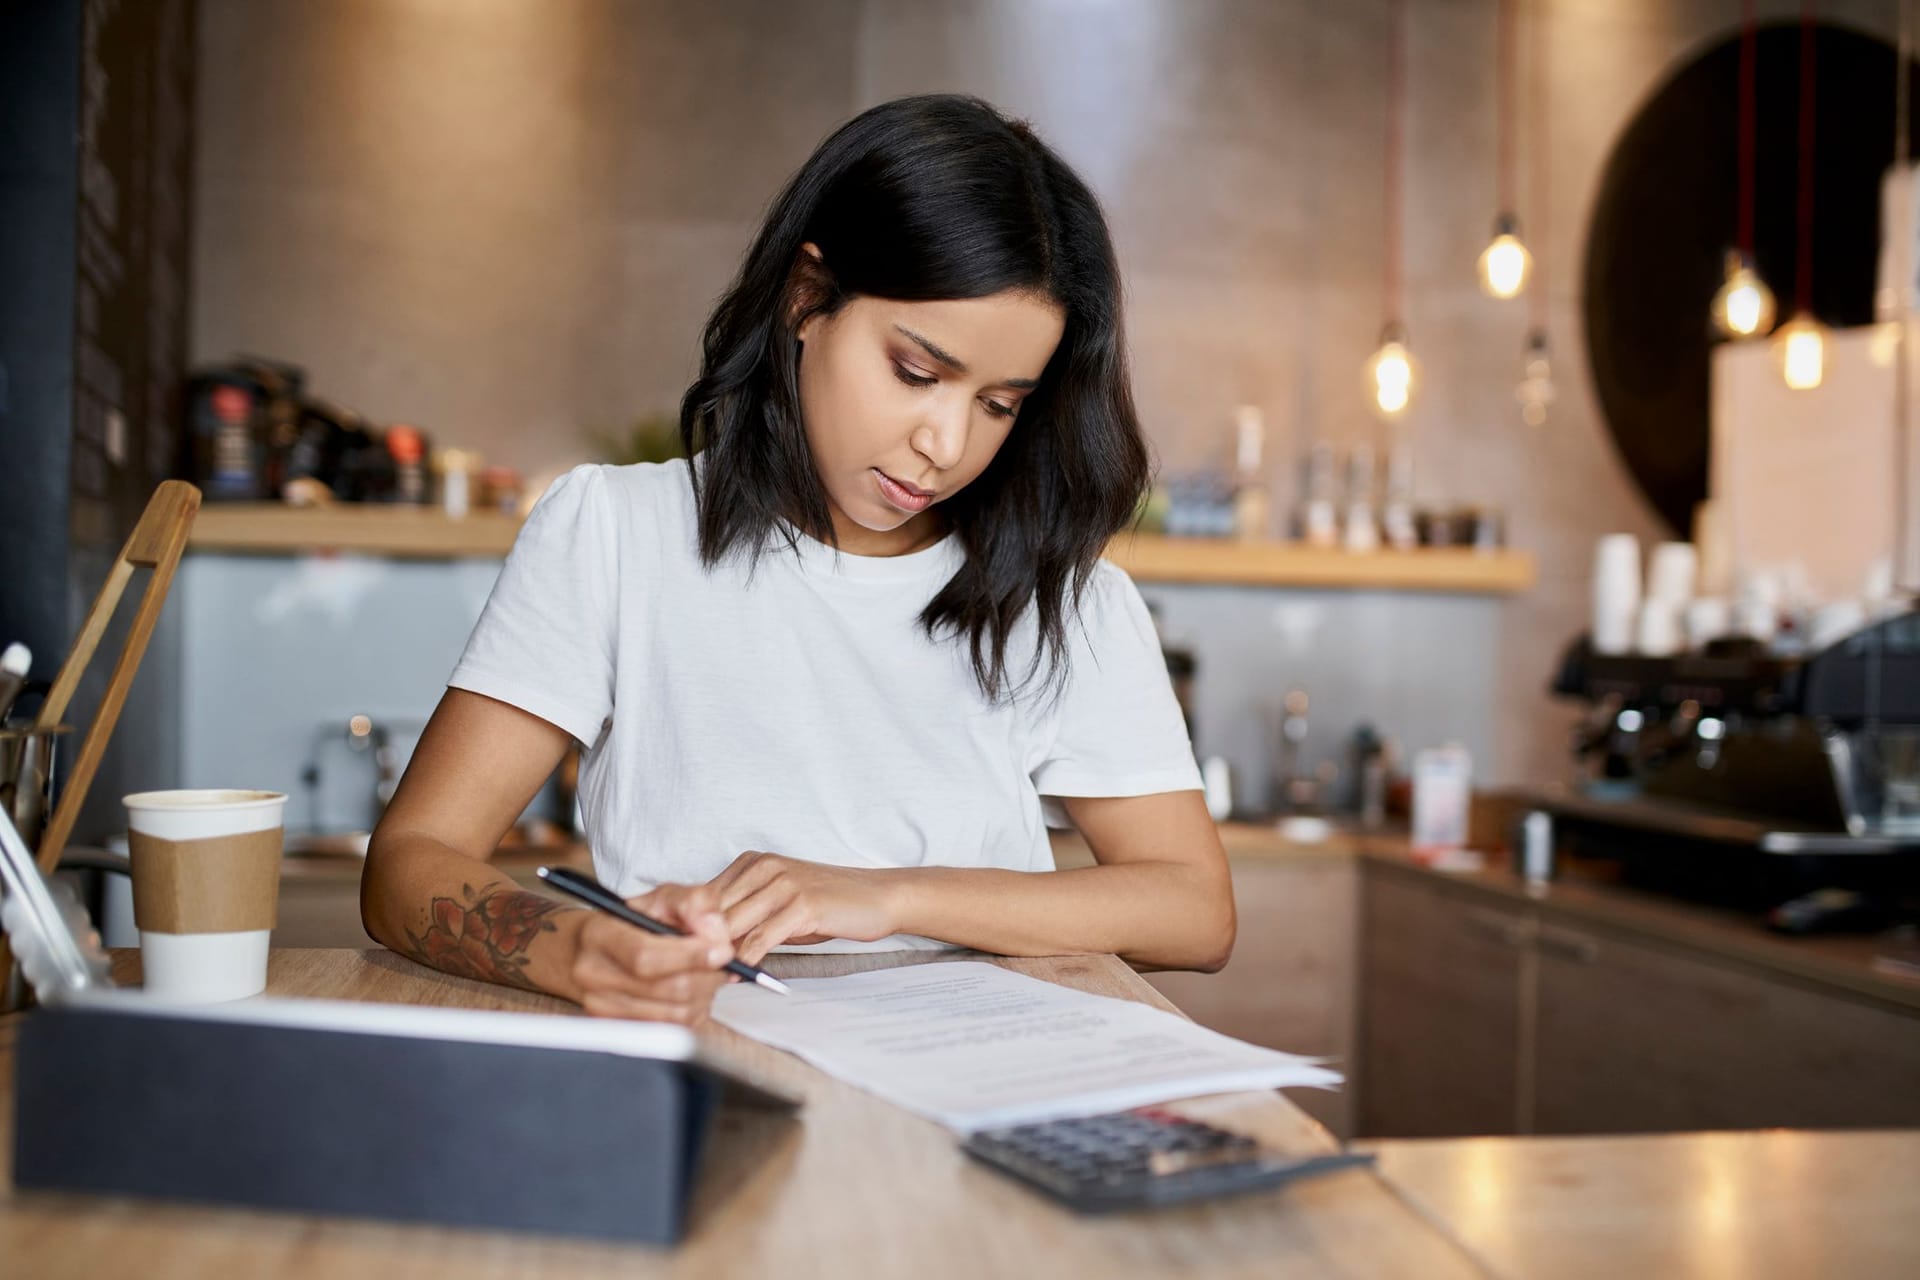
(769, 899)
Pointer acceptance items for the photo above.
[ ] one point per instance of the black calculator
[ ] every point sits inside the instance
(1136, 1159)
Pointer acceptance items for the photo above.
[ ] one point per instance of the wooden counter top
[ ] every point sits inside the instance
(853, 1187)
(1582, 895)
(425, 533)
(1775, 1203)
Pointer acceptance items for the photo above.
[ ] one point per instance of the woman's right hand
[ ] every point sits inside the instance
(621, 971)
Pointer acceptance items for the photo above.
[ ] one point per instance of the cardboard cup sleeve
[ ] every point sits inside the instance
(212, 884)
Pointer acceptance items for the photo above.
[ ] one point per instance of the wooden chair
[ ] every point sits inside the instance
(155, 543)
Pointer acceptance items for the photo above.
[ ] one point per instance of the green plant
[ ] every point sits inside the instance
(652, 437)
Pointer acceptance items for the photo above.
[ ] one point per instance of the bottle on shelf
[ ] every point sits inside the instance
(1318, 523)
(1252, 508)
(408, 448)
(1359, 531)
(1398, 526)
(456, 469)
(1442, 796)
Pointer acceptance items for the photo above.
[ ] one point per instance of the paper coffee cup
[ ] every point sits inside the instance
(1616, 592)
(1707, 619)
(1658, 633)
(1672, 573)
(206, 883)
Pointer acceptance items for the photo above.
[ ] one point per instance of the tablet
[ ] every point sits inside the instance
(661, 1041)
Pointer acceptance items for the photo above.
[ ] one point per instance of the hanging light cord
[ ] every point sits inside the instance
(1396, 95)
(1803, 269)
(1503, 125)
(1906, 571)
(1542, 152)
(1749, 39)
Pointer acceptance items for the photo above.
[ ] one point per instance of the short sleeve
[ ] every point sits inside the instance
(1118, 729)
(545, 641)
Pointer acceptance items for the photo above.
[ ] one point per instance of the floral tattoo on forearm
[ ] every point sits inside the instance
(488, 937)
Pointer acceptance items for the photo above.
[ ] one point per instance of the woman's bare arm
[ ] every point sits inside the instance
(429, 893)
(1161, 896)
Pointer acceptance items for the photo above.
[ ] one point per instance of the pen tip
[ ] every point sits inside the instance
(772, 983)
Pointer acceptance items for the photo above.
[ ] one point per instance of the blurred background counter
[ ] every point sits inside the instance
(316, 641)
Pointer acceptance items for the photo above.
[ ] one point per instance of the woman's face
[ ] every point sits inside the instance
(907, 402)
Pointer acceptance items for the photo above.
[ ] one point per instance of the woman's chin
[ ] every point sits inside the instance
(881, 519)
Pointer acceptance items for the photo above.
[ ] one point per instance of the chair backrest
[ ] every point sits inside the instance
(155, 543)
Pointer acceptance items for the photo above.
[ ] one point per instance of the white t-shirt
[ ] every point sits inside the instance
(804, 712)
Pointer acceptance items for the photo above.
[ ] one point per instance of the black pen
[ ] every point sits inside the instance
(594, 894)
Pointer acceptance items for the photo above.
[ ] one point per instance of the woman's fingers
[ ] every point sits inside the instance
(622, 966)
(613, 955)
(755, 909)
(743, 876)
(695, 909)
(680, 905)
(690, 1012)
(783, 924)
(626, 972)
(660, 979)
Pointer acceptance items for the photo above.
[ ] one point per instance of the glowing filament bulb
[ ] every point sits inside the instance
(1393, 373)
(1802, 348)
(1535, 391)
(1505, 263)
(1744, 305)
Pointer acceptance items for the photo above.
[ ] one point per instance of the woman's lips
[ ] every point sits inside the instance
(898, 495)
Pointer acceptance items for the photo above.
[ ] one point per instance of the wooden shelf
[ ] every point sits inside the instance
(1230, 562)
(413, 532)
(423, 533)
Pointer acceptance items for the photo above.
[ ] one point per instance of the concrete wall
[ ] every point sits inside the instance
(507, 220)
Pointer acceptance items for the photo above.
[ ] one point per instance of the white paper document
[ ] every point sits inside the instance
(973, 1046)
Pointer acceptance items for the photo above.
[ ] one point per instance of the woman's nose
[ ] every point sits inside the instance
(942, 435)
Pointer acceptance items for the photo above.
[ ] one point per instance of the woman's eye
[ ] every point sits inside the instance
(911, 378)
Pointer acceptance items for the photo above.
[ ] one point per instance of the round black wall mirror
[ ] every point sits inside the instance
(1667, 211)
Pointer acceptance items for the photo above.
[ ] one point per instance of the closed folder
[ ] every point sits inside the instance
(505, 1121)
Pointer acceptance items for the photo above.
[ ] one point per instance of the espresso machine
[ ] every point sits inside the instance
(1739, 775)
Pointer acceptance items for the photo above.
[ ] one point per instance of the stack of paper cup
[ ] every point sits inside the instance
(1616, 592)
(1756, 605)
(1708, 619)
(1658, 632)
(1670, 574)
(1670, 579)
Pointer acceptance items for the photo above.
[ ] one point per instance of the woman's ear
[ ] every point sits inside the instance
(809, 287)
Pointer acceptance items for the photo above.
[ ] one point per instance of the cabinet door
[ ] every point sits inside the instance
(1634, 1036)
(1440, 1008)
(1291, 982)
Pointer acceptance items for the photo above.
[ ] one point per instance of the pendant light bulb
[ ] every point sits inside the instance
(1535, 391)
(1392, 373)
(1744, 306)
(1801, 346)
(1505, 263)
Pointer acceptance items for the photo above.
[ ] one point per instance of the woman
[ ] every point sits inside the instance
(826, 673)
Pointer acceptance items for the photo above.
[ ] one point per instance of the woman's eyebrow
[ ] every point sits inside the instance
(956, 364)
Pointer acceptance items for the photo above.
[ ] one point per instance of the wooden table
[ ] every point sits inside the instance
(853, 1187)
(1747, 1206)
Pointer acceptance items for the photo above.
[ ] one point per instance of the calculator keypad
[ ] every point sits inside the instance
(1129, 1158)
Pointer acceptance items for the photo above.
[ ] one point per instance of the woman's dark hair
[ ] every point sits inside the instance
(924, 198)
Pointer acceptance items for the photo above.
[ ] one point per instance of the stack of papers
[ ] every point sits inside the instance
(975, 1046)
